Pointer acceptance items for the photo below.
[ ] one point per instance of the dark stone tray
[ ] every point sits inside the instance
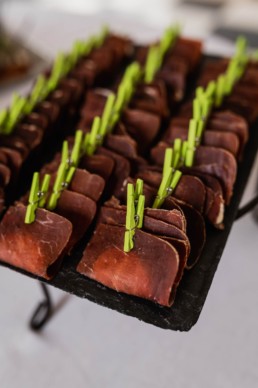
(194, 287)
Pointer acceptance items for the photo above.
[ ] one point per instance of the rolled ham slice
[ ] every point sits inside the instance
(37, 247)
(148, 271)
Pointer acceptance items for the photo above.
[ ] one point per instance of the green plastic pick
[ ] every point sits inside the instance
(168, 160)
(44, 189)
(106, 116)
(189, 157)
(140, 211)
(210, 89)
(177, 152)
(37, 93)
(16, 110)
(138, 189)
(58, 186)
(130, 219)
(76, 151)
(152, 63)
(163, 189)
(197, 109)
(65, 152)
(175, 179)
(33, 199)
(241, 44)
(3, 118)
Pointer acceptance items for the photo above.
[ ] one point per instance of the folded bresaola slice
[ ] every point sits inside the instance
(209, 160)
(31, 135)
(50, 109)
(93, 106)
(154, 225)
(90, 185)
(230, 122)
(152, 98)
(122, 144)
(15, 142)
(214, 203)
(195, 228)
(227, 140)
(101, 165)
(14, 160)
(37, 247)
(120, 173)
(142, 126)
(79, 210)
(157, 221)
(148, 271)
(190, 189)
(195, 225)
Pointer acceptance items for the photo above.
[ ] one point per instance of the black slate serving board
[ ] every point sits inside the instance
(193, 288)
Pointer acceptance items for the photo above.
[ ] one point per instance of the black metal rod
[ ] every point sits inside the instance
(247, 207)
(43, 311)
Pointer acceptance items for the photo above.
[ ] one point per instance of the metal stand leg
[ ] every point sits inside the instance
(43, 312)
(247, 208)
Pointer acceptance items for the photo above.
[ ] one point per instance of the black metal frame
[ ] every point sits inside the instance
(45, 310)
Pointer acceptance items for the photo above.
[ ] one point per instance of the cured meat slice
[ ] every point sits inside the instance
(120, 173)
(151, 97)
(93, 106)
(148, 271)
(31, 134)
(101, 165)
(14, 160)
(195, 229)
(79, 210)
(214, 204)
(222, 139)
(38, 247)
(123, 145)
(209, 160)
(90, 185)
(219, 163)
(116, 216)
(173, 217)
(142, 126)
(15, 142)
(50, 109)
(189, 189)
(230, 122)
(37, 119)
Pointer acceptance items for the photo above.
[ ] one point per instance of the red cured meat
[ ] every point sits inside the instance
(79, 210)
(38, 247)
(148, 271)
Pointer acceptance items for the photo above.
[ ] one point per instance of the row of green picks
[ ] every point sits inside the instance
(63, 64)
(183, 152)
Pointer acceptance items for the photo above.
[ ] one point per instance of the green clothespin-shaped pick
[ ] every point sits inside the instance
(130, 219)
(139, 201)
(3, 119)
(163, 189)
(177, 149)
(77, 147)
(58, 186)
(37, 197)
(106, 116)
(168, 159)
(191, 141)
